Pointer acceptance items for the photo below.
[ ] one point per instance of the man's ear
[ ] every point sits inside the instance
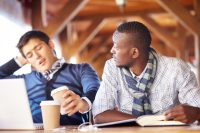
(51, 44)
(134, 52)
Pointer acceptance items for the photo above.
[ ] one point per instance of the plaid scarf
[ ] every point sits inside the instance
(141, 103)
(48, 74)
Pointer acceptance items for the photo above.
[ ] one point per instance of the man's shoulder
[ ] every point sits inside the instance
(172, 62)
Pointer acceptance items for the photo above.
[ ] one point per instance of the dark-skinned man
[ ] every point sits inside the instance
(138, 81)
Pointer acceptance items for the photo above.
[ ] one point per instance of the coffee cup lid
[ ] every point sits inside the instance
(49, 102)
(59, 89)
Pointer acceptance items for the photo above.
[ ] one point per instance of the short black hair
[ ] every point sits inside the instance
(138, 31)
(33, 34)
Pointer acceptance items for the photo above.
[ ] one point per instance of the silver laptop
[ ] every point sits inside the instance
(15, 111)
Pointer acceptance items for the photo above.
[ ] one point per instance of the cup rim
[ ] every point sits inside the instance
(49, 102)
(59, 89)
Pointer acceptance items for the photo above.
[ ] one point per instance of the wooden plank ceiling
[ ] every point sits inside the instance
(85, 27)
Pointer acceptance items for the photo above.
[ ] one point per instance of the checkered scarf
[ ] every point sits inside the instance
(55, 67)
(141, 103)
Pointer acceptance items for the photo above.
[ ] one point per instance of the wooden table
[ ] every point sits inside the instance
(71, 129)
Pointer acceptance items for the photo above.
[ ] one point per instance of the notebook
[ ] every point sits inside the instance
(15, 111)
(145, 121)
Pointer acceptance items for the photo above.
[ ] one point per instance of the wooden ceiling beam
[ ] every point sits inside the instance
(188, 21)
(170, 52)
(197, 9)
(86, 37)
(159, 47)
(170, 40)
(64, 43)
(183, 34)
(69, 11)
(181, 14)
(161, 33)
(197, 53)
(116, 15)
(90, 53)
(105, 48)
(69, 33)
(38, 14)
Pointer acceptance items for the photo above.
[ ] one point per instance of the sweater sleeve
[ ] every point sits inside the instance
(89, 81)
(8, 68)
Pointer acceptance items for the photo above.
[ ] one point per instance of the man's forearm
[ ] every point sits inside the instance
(8, 68)
(111, 115)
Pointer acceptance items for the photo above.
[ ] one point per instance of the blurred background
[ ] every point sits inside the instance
(82, 29)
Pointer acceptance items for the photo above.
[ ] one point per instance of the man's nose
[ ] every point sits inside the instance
(112, 50)
(36, 55)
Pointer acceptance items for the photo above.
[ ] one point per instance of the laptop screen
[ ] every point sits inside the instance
(15, 111)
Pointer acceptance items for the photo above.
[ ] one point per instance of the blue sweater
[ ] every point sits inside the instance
(80, 78)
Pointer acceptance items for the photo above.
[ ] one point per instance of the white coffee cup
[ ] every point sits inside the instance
(50, 114)
(57, 95)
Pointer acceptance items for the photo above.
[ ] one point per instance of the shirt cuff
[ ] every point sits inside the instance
(18, 63)
(89, 103)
